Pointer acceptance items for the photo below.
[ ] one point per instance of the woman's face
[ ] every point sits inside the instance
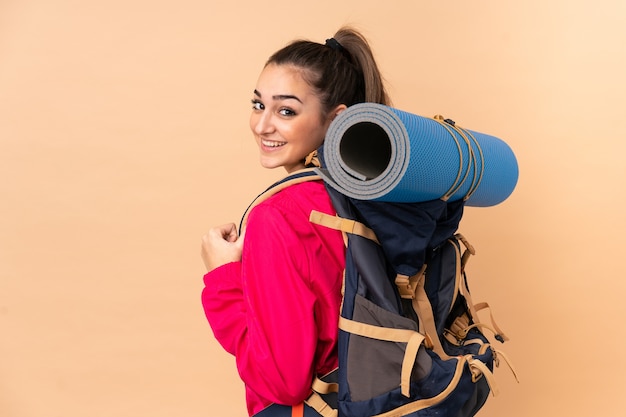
(286, 120)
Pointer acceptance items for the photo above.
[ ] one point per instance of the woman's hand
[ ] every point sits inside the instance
(220, 246)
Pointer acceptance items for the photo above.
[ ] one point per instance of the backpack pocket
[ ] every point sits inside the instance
(375, 366)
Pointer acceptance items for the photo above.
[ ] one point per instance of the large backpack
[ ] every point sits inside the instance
(411, 342)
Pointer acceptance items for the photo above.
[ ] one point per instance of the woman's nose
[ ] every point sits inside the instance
(262, 123)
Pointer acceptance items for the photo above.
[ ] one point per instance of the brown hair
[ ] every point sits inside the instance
(341, 74)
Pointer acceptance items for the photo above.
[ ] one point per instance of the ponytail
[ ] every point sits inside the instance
(359, 49)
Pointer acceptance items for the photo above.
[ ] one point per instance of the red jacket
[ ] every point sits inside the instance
(277, 309)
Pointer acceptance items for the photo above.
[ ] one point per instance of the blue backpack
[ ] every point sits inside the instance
(410, 341)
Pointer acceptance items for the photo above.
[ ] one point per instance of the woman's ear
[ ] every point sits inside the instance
(338, 110)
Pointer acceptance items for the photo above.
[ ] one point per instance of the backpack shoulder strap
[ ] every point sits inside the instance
(297, 177)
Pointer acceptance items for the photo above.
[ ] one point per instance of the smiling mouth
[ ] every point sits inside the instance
(272, 144)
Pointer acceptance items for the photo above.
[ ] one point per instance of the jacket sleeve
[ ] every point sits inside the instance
(261, 309)
(222, 299)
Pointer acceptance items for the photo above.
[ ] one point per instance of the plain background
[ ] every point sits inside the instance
(124, 136)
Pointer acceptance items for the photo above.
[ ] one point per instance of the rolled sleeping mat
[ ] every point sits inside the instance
(379, 153)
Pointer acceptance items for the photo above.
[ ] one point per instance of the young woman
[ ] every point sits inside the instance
(274, 301)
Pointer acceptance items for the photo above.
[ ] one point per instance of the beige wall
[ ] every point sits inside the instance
(123, 137)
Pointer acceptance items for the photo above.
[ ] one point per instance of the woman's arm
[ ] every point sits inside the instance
(261, 309)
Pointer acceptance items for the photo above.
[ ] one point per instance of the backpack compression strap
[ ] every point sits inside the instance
(342, 224)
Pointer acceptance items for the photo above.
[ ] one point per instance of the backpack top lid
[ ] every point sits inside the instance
(406, 231)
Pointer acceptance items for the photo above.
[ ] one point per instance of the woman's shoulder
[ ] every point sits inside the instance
(297, 199)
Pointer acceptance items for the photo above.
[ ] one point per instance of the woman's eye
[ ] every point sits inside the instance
(287, 112)
(257, 105)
